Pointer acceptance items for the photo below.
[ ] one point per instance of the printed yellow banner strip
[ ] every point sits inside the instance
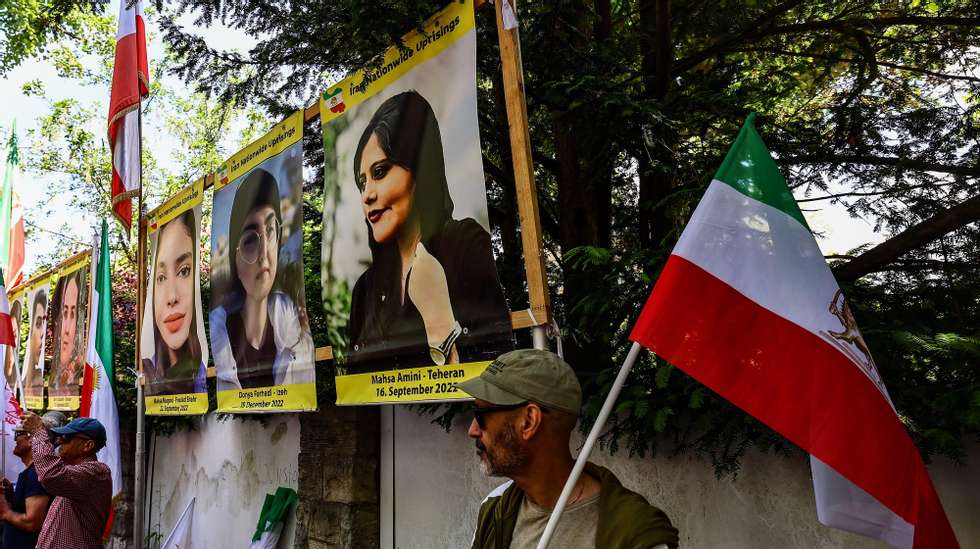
(44, 281)
(407, 385)
(79, 262)
(185, 199)
(278, 398)
(439, 32)
(15, 294)
(177, 405)
(64, 403)
(34, 402)
(278, 139)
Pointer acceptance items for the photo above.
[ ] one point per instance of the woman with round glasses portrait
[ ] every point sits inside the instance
(259, 335)
(178, 364)
(431, 295)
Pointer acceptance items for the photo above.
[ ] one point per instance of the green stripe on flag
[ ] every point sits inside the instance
(750, 169)
(11, 167)
(103, 285)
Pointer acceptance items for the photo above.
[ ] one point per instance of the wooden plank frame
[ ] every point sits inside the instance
(539, 312)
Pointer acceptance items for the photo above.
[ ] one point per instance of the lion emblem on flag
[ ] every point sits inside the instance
(849, 340)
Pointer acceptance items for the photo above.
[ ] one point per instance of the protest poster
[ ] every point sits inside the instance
(173, 345)
(69, 306)
(406, 236)
(38, 295)
(11, 358)
(260, 335)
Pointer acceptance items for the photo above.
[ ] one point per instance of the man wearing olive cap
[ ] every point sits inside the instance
(527, 404)
(80, 484)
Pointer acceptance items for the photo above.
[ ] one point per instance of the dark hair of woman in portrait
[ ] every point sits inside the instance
(187, 373)
(402, 145)
(37, 331)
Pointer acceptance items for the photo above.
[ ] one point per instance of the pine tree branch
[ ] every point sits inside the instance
(879, 257)
(907, 163)
(755, 31)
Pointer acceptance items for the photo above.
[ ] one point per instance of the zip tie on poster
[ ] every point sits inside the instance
(554, 332)
(508, 15)
(534, 321)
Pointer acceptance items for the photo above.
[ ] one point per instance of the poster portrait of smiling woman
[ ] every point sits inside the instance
(260, 333)
(173, 346)
(406, 234)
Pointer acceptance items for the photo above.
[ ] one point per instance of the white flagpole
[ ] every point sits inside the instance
(583, 456)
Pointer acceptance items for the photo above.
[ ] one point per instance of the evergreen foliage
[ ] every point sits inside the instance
(632, 105)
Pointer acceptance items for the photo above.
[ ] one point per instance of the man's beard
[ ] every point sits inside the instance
(506, 457)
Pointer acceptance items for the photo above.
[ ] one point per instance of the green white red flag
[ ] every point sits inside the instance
(12, 465)
(747, 305)
(98, 398)
(7, 328)
(11, 215)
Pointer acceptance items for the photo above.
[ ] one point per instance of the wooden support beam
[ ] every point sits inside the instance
(520, 145)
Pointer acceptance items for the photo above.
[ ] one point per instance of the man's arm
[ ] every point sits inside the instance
(57, 477)
(32, 519)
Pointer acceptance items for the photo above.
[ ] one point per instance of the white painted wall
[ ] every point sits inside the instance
(438, 488)
(229, 466)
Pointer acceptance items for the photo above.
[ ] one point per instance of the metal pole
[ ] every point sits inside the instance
(539, 337)
(138, 490)
(139, 465)
(583, 456)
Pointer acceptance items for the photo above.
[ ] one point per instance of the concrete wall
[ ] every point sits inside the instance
(438, 488)
(229, 466)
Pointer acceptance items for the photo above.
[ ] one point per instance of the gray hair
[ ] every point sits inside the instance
(54, 419)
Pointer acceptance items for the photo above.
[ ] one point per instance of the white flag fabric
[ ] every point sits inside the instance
(98, 399)
(12, 465)
(178, 538)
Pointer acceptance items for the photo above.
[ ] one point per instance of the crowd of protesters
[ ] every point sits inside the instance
(62, 498)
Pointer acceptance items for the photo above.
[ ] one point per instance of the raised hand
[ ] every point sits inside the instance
(429, 291)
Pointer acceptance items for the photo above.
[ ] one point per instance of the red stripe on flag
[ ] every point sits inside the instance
(6, 330)
(123, 210)
(125, 80)
(88, 387)
(142, 67)
(795, 383)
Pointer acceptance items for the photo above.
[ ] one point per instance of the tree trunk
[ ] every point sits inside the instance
(655, 160)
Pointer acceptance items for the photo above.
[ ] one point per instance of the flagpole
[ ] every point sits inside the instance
(583, 456)
(138, 469)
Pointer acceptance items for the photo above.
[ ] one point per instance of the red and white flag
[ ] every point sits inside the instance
(130, 82)
(747, 305)
(15, 260)
(12, 465)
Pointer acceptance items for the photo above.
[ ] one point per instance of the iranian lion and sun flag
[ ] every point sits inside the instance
(747, 305)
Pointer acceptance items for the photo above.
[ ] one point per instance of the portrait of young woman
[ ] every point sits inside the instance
(11, 367)
(34, 361)
(177, 361)
(70, 308)
(431, 295)
(259, 332)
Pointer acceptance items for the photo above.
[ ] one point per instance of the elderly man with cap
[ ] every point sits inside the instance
(527, 404)
(80, 485)
(26, 503)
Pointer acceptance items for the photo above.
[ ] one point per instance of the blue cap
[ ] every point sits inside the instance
(88, 426)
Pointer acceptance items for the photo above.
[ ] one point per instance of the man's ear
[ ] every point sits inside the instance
(530, 421)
